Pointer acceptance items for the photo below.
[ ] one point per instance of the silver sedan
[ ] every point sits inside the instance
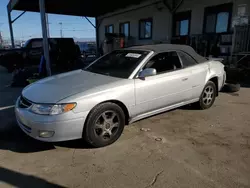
(117, 89)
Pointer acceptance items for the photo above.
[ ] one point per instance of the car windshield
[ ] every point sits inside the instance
(119, 63)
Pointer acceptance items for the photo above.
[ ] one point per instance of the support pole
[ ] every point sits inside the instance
(90, 21)
(11, 29)
(47, 21)
(18, 17)
(97, 37)
(45, 35)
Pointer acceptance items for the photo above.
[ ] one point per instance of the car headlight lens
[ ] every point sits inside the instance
(49, 109)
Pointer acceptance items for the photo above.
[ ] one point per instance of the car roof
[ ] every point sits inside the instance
(159, 48)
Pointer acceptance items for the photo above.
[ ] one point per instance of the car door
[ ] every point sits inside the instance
(170, 86)
(199, 73)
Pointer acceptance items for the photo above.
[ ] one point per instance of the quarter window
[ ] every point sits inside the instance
(164, 62)
(145, 28)
(186, 59)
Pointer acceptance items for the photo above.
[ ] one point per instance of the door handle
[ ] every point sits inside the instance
(184, 79)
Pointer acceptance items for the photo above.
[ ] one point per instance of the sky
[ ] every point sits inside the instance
(29, 25)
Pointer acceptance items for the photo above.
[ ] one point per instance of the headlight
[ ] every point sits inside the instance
(49, 109)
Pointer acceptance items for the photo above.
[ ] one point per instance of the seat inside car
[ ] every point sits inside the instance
(164, 62)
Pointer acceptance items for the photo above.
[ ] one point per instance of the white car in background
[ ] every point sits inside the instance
(117, 89)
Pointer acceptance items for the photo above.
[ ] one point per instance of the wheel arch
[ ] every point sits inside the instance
(117, 102)
(215, 80)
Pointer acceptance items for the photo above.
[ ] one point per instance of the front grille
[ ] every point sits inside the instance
(24, 103)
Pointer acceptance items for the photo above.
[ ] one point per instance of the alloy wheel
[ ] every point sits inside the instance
(208, 95)
(106, 126)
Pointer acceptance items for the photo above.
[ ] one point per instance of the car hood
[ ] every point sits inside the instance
(58, 87)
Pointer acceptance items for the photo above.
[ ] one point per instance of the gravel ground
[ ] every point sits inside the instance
(181, 148)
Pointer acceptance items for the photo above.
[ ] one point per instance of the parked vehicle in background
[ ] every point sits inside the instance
(119, 88)
(88, 51)
(61, 49)
(87, 48)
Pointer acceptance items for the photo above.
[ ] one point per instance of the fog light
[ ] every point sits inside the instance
(46, 134)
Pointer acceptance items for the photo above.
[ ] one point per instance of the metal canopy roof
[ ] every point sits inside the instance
(90, 8)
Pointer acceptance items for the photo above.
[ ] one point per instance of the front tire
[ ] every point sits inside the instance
(104, 125)
(208, 96)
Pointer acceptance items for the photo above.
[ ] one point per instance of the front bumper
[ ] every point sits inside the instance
(67, 126)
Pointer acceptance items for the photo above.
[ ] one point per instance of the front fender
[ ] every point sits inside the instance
(86, 101)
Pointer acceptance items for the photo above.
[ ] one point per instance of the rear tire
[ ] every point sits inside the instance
(104, 125)
(208, 95)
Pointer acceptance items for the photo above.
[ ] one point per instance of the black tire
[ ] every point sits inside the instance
(90, 133)
(231, 87)
(205, 104)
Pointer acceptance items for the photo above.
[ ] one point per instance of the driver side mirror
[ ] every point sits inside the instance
(147, 72)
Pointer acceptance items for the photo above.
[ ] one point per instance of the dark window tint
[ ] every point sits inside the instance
(119, 63)
(217, 18)
(184, 24)
(164, 62)
(109, 29)
(210, 23)
(182, 28)
(124, 29)
(217, 23)
(186, 59)
(222, 22)
(145, 28)
(181, 23)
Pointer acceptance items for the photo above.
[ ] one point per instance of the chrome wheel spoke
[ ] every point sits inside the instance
(108, 131)
(207, 102)
(112, 117)
(104, 116)
(208, 95)
(107, 125)
(113, 126)
(99, 126)
(103, 133)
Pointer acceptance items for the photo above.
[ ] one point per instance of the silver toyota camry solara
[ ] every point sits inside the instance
(117, 89)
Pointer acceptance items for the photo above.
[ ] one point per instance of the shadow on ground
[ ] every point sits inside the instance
(12, 138)
(17, 179)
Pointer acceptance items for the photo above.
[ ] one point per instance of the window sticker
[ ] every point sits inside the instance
(134, 55)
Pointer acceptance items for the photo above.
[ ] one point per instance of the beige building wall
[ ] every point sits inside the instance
(162, 18)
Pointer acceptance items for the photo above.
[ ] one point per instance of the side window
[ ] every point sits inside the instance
(164, 62)
(186, 59)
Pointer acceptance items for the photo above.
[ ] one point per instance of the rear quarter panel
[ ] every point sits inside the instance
(203, 73)
(216, 69)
